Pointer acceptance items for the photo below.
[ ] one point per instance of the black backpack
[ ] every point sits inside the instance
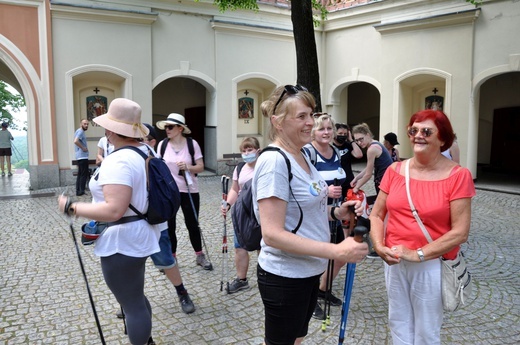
(191, 149)
(249, 232)
(164, 197)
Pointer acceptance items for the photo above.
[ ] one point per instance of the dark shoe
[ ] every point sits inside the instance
(201, 261)
(150, 342)
(80, 193)
(119, 314)
(237, 285)
(373, 255)
(186, 304)
(9, 174)
(333, 299)
(318, 313)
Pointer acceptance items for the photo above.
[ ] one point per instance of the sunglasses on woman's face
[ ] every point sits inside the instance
(170, 127)
(426, 132)
(290, 90)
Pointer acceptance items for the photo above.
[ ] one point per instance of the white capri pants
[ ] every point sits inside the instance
(414, 302)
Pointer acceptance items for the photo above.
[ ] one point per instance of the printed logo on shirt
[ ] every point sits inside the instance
(319, 189)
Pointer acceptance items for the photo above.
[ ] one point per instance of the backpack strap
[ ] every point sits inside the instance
(145, 157)
(311, 152)
(191, 149)
(162, 145)
(239, 168)
(288, 162)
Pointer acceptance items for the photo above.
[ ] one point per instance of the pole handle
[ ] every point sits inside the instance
(359, 233)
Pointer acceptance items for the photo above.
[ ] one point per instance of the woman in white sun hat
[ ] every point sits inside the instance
(184, 158)
(128, 240)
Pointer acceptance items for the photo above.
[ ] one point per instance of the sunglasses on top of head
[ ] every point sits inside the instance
(317, 115)
(426, 132)
(290, 90)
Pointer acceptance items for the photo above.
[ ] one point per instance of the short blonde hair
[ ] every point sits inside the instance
(318, 124)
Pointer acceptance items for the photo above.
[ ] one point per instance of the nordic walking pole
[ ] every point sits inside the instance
(84, 274)
(197, 218)
(330, 268)
(359, 235)
(225, 186)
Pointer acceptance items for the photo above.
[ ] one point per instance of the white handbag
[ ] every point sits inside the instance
(455, 277)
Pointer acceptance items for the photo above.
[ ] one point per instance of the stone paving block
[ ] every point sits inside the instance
(43, 297)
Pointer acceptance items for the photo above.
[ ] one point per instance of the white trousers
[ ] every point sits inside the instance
(414, 302)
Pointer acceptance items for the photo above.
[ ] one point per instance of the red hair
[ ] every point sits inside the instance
(441, 121)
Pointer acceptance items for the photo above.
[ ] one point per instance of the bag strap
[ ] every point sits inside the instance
(191, 149)
(412, 207)
(288, 162)
(239, 168)
(146, 159)
(163, 144)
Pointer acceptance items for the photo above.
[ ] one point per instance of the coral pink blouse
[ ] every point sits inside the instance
(432, 201)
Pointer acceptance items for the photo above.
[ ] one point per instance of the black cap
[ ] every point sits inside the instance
(152, 133)
(391, 138)
(5, 124)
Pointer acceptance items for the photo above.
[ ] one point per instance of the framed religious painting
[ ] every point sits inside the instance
(246, 108)
(96, 106)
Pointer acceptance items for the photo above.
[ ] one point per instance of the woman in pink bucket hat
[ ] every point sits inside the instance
(128, 239)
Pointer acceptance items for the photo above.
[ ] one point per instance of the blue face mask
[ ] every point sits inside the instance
(249, 158)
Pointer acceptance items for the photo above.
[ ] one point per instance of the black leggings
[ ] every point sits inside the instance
(124, 276)
(190, 219)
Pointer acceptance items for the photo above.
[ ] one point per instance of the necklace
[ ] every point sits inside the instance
(177, 149)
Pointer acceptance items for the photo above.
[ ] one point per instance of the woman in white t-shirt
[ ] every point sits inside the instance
(128, 240)
(104, 149)
(290, 264)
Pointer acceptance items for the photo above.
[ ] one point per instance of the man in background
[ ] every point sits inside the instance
(81, 151)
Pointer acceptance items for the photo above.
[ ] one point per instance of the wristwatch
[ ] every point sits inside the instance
(421, 254)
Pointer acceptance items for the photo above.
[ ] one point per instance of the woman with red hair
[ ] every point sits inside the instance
(441, 191)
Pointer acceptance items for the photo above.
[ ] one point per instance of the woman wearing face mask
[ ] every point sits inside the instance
(250, 148)
(348, 148)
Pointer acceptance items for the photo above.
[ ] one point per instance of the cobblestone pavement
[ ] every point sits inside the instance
(43, 297)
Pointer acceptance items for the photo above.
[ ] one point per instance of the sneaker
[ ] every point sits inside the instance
(333, 299)
(9, 174)
(3, 173)
(237, 285)
(318, 312)
(186, 304)
(201, 261)
(373, 255)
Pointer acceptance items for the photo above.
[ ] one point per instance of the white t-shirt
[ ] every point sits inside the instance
(271, 179)
(136, 239)
(105, 146)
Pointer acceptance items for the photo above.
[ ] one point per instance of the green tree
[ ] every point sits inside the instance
(9, 103)
(303, 31)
